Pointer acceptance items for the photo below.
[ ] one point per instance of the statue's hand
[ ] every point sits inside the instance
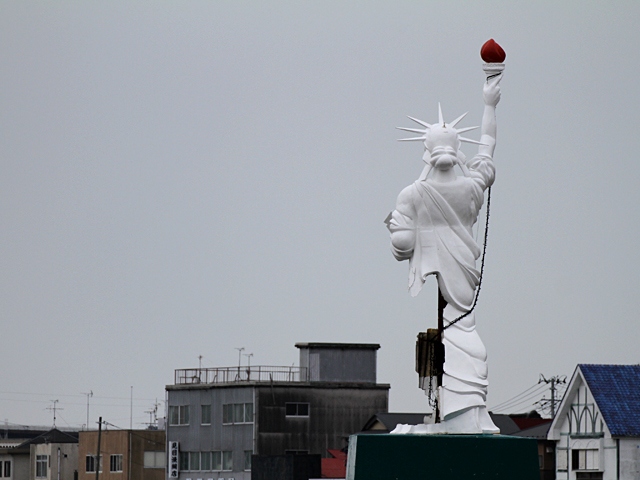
(491, 91)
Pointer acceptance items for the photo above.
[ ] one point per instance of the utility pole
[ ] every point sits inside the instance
(554, 381)
(98, 455)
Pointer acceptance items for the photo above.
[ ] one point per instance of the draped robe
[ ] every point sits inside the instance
(441, 217)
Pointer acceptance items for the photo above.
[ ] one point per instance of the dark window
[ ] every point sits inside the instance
(115, 463)
(247, 459)
(237, 413)
(295, 409)
(184, 460)
(179, 415)
(588, 475)
(7, 468)
(90, 463)
(205, 417)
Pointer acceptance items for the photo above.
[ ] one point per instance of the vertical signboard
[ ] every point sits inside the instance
(174, 462)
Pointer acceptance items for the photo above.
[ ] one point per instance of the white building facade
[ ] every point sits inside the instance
(597, 427)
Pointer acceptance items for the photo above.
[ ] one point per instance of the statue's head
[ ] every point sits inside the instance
(441, 140)
(443, 144)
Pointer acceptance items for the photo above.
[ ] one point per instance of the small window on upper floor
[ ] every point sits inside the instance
(296, 409)
(179, 415)
(205, 414)
(115, 463)
(237, 413)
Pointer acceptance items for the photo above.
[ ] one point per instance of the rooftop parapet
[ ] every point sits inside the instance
(258, 373)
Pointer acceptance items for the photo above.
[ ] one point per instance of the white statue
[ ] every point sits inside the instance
(432, 228)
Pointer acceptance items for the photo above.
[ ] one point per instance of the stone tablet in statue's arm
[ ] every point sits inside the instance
(401, 224)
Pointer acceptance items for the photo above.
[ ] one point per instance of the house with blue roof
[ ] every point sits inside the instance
(597, 427)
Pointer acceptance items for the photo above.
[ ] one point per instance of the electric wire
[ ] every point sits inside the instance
(518, 401)
(524, 392)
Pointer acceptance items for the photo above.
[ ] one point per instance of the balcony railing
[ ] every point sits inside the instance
(192, 376)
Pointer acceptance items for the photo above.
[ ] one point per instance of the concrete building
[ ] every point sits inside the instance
(124, 455)
(219, 418)
(597, 427)
(33, 454)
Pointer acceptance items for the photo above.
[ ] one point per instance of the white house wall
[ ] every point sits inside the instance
(580, 426)
(629, 458)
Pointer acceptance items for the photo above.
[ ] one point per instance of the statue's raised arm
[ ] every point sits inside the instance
(491, 95)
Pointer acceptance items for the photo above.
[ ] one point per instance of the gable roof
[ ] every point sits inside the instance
(53, 436)
(616, 390)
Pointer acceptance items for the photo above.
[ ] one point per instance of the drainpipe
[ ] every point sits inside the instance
(617, 458)
(58, 463)
(129, 468)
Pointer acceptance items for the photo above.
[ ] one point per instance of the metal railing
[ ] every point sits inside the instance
(194, 376)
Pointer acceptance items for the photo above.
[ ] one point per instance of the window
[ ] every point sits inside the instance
(179, 415)
(115, 463)
(217, 460)
(247, 459)
(7, 468)
(154, 460)
(194, 461)
(90, 462)
(42, 463)
(205, 414)
(184, 460)
(585, 459)
(227, 461)
(237, 413)
(296, 409)
(205, 461)
(588, 475)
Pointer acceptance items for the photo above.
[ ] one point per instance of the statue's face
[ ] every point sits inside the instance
(444, 157)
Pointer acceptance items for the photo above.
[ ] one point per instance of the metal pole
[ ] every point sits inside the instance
(441, 304)
(98, 455)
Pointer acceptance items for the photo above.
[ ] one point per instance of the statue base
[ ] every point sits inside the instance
(442, 457)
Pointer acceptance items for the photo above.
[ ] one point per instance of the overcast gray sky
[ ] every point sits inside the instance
(182, 178)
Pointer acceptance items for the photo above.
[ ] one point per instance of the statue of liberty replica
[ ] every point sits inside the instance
(431, 227)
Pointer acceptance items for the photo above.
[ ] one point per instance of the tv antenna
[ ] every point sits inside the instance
(55, 408)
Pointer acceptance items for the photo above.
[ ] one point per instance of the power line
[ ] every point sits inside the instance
(500, 405)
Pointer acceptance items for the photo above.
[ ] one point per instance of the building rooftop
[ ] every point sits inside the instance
(616, 390)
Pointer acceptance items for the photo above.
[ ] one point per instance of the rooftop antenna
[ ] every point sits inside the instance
(90, 394)
(248, 355)
(240, 350)
(54, 409)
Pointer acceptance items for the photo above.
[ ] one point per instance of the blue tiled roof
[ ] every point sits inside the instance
(616, 390)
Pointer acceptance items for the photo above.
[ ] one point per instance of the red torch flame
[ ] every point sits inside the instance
(491, 52)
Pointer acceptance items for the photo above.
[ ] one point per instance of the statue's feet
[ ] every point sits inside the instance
(472, 421)
(485, 422)
(402, 429)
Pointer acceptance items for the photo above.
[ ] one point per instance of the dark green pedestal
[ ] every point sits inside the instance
(442, 457)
